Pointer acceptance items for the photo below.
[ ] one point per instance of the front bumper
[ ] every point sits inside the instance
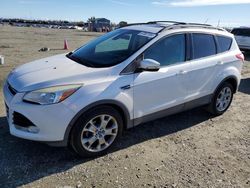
(51, 121)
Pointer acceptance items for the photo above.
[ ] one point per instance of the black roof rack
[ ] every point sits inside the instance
(198, 24)
(193, 25)
(133, 24)
(174, 24)
(170, 22)
(153, 22)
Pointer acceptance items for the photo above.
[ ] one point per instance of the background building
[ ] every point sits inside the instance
(99, 25)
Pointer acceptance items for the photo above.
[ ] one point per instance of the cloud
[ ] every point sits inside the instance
(193, 3)
(118, 2)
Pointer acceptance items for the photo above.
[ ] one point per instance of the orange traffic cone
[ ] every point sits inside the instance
(66, 47)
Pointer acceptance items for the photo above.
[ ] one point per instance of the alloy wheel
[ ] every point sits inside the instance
(223, 99)
(99, 133)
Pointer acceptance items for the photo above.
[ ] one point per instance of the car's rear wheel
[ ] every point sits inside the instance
(96, 131)
(222, 99)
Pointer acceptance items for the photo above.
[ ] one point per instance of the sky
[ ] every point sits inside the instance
(222, 12)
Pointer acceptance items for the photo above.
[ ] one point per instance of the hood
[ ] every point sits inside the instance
(52, 71)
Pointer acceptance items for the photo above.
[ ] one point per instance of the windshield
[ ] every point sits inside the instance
(111, 48)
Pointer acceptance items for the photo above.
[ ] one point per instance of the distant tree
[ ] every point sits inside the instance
(123, 23)
(91, 20)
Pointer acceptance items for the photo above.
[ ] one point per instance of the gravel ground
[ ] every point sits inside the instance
(190, 149)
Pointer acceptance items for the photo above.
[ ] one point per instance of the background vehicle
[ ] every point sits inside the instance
(129, 76)
(242, 36)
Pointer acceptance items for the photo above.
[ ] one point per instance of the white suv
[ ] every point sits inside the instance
(135, 74)
(242, 36)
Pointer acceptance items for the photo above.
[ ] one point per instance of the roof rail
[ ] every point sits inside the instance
(171, 22)
(153, 22)
(198, 24)
(175, 24)
(134, 24)
(194, 25)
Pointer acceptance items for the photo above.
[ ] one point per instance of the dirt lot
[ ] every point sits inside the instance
(191, 149)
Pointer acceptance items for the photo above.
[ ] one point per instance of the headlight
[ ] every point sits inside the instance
(51, 95)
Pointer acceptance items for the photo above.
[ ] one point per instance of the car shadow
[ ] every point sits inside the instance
(245, 86)
(22, 161)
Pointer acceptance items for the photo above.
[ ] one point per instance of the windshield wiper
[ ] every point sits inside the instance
(78, 60)
(69, 54)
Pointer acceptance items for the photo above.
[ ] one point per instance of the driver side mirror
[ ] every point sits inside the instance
(149, 65)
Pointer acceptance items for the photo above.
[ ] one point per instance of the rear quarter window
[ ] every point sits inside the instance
(224, 43)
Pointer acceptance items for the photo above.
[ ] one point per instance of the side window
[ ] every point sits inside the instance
(203, 45)
(167, 51)
(224, 43)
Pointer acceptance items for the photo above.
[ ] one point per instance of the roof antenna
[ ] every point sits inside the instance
(206, 21)
(218, 23)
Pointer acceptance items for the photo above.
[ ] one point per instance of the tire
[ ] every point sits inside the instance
(96, 131)
(216, 107)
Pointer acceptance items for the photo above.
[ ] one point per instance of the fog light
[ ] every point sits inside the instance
(33, 129)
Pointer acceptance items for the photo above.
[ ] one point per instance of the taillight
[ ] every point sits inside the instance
(240, 56)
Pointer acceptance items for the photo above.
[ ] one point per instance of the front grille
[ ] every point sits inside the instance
(21, 120)
(11, 89)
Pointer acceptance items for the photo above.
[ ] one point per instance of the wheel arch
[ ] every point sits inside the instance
(121, 108)
(230, 79)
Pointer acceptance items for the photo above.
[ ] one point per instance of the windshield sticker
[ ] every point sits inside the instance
(146, 34)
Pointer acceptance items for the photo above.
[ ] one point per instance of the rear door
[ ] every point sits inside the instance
(204, 62)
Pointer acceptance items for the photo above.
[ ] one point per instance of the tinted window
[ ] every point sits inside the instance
(111, 48)
(167, 51)
(241, 32)
(114, 45)
(203, 45)
(224, 43)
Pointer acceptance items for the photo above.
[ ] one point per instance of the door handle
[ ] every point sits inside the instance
(183, 72)
(125, 87)
(220, 63)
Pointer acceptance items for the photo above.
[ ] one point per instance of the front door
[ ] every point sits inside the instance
(155, 92)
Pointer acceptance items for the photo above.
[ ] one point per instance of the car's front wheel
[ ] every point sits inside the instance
(222, 99)
(96, 131)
